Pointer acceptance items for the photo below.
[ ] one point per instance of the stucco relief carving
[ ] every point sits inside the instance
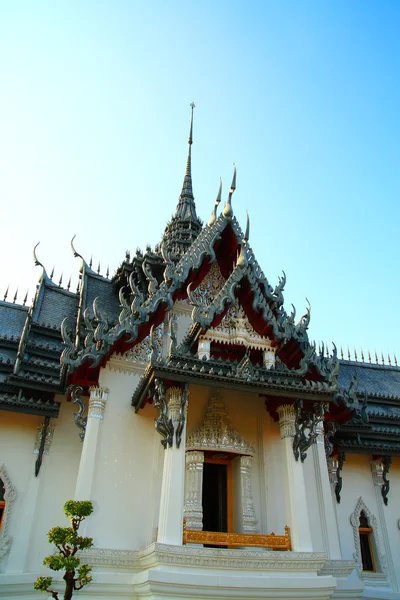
(216, 432)
(97, 402)
(250, 520)
(337, 568)
(193, 512)
(236, 329)
(219, 558)
(286, 420)
(48, 438)
(380, 560)
(210, 286)
(9, 497)
(141, 352)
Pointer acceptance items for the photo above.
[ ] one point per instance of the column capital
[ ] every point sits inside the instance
(194, 457)
(286, 420)
(319, 429)
(377, 471)
(175, 397)
(97, 402)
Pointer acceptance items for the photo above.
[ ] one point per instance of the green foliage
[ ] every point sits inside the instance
(58, 563)
(78, 509)
(84, 576)
(43, 583)
(68, 542)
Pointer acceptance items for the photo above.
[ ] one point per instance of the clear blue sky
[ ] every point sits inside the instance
(303, 96)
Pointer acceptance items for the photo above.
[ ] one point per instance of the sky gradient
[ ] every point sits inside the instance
(303, 96)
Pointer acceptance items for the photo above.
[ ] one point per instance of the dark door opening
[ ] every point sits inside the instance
(215, 497)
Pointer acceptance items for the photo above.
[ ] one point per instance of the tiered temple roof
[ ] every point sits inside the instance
(65, 337)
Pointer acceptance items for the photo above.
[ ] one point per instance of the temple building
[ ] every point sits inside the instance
(226, 456)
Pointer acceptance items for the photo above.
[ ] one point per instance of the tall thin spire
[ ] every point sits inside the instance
(186, 209)
(185, 225)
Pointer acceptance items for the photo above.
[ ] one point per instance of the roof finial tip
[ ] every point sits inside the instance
(247, 232)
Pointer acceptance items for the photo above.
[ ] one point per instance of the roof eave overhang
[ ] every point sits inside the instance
(225, 382)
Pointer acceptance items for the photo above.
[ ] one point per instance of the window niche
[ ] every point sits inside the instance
(368, 556)
(7, 497)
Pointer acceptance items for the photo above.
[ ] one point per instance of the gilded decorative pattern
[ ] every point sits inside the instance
(256, 540)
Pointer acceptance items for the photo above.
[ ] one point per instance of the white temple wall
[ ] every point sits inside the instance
(358, 482)
(127, 478)
(39, 501)
(392, 518)
(271, 461)
(57, 481)
(17, 439)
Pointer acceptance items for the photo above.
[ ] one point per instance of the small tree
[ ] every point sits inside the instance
(68, 542)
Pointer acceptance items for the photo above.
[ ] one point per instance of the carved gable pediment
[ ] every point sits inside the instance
(211, 285)
(236, 329)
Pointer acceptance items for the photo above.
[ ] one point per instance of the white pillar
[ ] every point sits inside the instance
(330, 535)
(97, 403)
(295, 488)
(194, 490)
(170, 522)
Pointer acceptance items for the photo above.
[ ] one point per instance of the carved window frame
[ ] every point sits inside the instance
(380, 573)
(9, 497)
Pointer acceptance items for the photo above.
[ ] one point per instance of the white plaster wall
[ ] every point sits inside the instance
(357, 481)
(57, 481)
(127, 478)
(392, 517)
(39, 502)
(17, 441)
(272, 447)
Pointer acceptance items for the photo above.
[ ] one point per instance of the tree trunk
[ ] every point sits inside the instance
(69, 584)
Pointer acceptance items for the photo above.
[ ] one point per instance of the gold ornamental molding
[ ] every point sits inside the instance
(254, 540)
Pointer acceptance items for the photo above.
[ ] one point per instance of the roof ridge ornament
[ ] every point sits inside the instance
(40, 264)
(242, 260)
(213, 217)
(227, 211)
(74, 252)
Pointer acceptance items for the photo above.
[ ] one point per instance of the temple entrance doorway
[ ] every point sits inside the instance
(217, 492)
